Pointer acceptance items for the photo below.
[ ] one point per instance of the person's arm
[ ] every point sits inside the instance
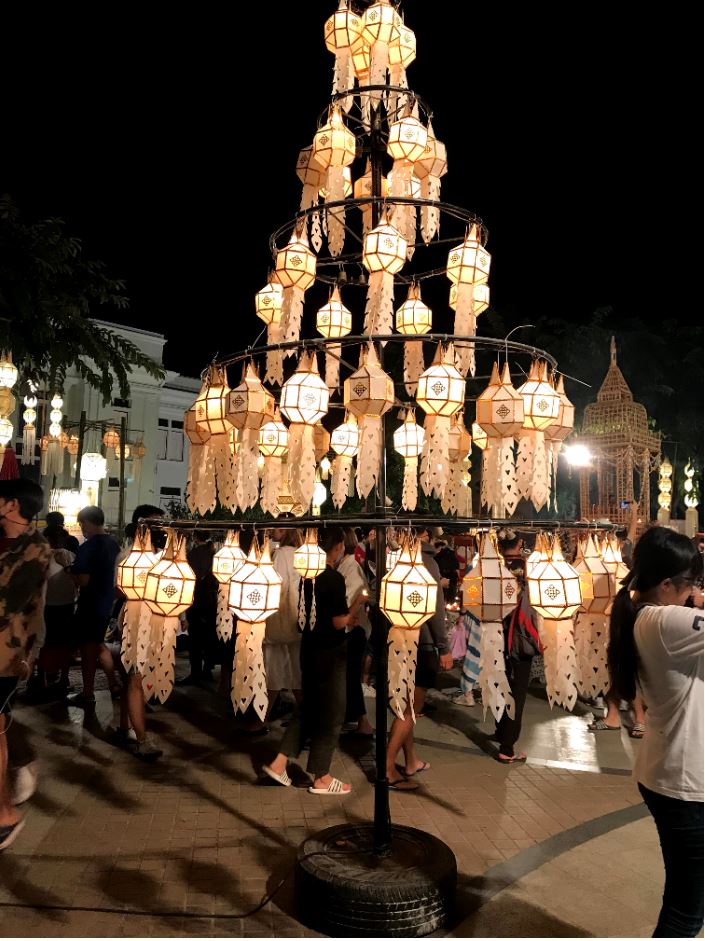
(340, 615)
(80, 570)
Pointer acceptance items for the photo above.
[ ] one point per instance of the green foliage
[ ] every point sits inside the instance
(48, 290)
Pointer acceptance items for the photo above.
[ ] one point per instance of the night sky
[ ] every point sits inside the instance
(567, 131)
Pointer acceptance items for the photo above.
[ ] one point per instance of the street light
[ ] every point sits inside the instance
(577, 455)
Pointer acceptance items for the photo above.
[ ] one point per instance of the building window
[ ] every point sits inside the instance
(121, 403)
(170, 445)
(163, 423)
(177, 424)
(113, 483)
(170, 491)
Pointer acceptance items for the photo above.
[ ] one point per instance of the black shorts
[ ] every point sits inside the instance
(427, 666)
(91, 628)
(8, 685)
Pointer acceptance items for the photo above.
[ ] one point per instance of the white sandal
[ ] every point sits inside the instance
(335, 787)
(282, 778)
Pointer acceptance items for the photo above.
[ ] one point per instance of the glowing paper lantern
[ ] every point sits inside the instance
(343, 34)
(309, 558)
(132, 580)
(500, 414)
(29, 434)
(295, 270)
(413, 318)
(381, 29)
(429, 168)
(408, 597)
(345, 441)
(441, 393)
(94, 467)
(408, 441)
(456, 498)
(368, 393)
(273, 445)
(8, 402)
(228, 560)
(541, 407)
(591, 625)
(255, 593)
(468, 265)
(333, 320)
(8, 370)
(111, 438)
(384, 251)
(407, 139)
(334, 150)
(211, 408)
(250, 406)
(304, 401)
(490, 591)
(269, 303)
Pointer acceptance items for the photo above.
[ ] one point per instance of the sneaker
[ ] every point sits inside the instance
(146, 751)
(369, 691)
(81, 701)
(122, 738)
(463, 699)
(9, 833)
(25, 782)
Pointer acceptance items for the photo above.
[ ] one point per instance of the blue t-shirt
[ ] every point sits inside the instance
(96, 558)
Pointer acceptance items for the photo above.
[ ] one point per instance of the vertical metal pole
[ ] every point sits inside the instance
(79, 453)
(382, 819)
(103, 450)
(121, 500)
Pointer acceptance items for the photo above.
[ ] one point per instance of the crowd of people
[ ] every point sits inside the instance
(58, 597)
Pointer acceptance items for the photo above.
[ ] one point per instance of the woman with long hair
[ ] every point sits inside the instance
(656, 644)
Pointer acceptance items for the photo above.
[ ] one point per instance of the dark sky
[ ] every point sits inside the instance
(568, 130)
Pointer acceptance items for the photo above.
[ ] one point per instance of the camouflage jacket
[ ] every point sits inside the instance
(23, 573)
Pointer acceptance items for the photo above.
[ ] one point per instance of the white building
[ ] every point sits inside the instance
(154, 412)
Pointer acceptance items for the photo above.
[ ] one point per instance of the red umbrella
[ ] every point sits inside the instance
(10, 469)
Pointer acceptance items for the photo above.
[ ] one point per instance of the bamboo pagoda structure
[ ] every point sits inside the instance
(616, 430)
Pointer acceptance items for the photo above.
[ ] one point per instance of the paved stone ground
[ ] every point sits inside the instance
(115, 848)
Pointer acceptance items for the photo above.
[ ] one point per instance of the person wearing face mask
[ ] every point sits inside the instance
(656, 644)
(24, 568)
(323, 674)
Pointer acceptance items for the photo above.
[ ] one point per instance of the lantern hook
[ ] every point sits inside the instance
(523, 326)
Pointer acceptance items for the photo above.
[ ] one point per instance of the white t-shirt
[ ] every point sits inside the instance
(669, 641)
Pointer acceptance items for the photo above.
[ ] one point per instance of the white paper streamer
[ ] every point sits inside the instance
(224, 616)
(249, 680)
(369, 457)
(493, 682)
(559, 662)
(402, 647)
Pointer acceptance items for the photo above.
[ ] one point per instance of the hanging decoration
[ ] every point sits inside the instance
(273, 445)
(441, 393)
(401, 55)
(228, 560)
(591, 624)
(200, 482)
(408, 597)
(406, 143)
(363, 190)
(29, 434)
(309, 563)
(211, 409)
(381, 29)
(500, 414)
(138, 453)
(343, 33)
(468, 265)
(555, 594)
(295, 270)
(383, 255)
(111, 438)
(255, 592)
(304, 401)
(168, 593)
(368, 393)
(250, 406)
(333, 320)
(613, 562)
(310, 173)
(55, 453)
(132, 580)
(345, 441)
(268, 306)
(455, 499)
(429, 168)
(408, 441)
(8, 371)
(7, 432)
(556, 433)
(541, 406)
(334, 149)
(413, 318)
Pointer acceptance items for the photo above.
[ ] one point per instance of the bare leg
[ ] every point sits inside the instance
(411, 762)
(612, 717)
(639, 714)
(399, 732)
(89, 664)
(8, 812)
(105, 659)
(134, 702)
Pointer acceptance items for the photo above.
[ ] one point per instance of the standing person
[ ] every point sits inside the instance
(60, 641)
(433, 654)
(356, 591)
(56, 535)
(24, 565)
(94, 573)
(201, 616)
(656, 642)
(448, 566)
(323, 672)
(282, 637)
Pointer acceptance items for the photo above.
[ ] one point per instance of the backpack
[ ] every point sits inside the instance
(521, 634)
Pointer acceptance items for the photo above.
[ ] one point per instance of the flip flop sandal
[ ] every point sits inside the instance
(402, 784)
(335, 787)
(426, 766)
(282, 778)
(511, 760)
(637, 730)
(599, 725)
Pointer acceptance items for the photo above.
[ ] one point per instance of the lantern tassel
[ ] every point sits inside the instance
(224, 616)
(369, 457)
(335, 191)
(201, 487)
(164, 673)
(402, 646)
(403, 215)
(271, 484)
(379, 309)
(494, 685)
(343, 75)
(410, 489)
(218, 448)
(539, 481)
(341, 472)
(465, 325)
(450, 503)
(302, 606)
(508, 491)
(29, 440)
(246, 477)
(591, 633)
(560, 663)
(302, 463)
(413, 365)
(275, 358)
(525, 464)
(491, 494)
(249, 680)
(151, 652)
(430, 215)
(333, 366)
(434, 456)
(292, 313)
(135, 613)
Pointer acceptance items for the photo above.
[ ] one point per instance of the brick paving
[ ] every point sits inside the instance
(198, 838)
